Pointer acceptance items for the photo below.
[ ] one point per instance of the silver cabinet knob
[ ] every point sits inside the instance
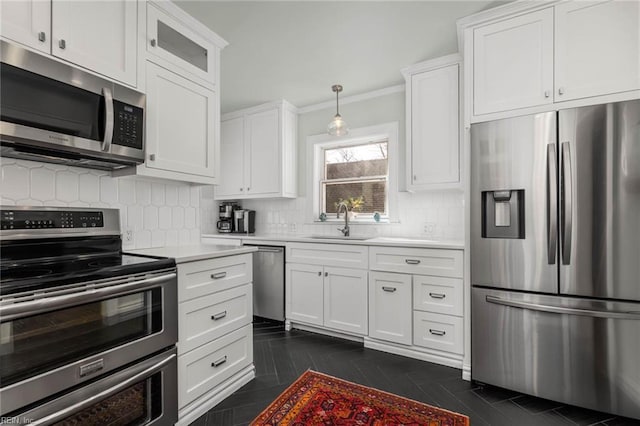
(547, 93)
(241, 189)
(152, 157)
(326, 274)
(153, 42)
(248, 189)
(319, 273)
(62, 44)
(561, 91)
(42, 36)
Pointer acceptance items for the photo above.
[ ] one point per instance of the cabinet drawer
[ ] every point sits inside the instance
(341, 255)
(206, 318)
(439, 262)
(206, 367)
(437, 294)
(436, 331)
(203, 277)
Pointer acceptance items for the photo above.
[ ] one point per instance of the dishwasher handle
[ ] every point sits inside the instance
(270, 249)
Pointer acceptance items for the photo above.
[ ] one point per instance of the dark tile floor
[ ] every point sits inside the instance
(280, 357)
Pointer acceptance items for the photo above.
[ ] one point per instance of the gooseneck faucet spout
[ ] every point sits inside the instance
(343, 206)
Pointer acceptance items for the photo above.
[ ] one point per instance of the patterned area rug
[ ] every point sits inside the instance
(319, 399)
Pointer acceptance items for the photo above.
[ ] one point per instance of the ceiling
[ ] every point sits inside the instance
(297, 49)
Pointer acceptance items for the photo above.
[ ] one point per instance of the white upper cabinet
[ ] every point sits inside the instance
(433, 126)
(258, 153)
(529, 57)
(98, 35)
(180, 125)
(27, 22)
(513, 63)
(597, 48)
(168, 39)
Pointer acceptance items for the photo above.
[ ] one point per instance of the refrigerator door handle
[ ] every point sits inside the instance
(567, 195)
(552, 204)
(564, 310)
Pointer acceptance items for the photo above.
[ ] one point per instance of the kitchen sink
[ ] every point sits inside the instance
(336, 237)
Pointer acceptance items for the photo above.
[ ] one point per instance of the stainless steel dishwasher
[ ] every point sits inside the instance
(268, 282)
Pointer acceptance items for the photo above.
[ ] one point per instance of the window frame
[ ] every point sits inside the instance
(317, 144)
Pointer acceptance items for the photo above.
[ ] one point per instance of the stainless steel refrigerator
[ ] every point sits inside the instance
(555, 255)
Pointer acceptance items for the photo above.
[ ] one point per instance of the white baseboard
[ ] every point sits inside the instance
(423, 354)
(321, 330)
(206, 402)
(466, 372)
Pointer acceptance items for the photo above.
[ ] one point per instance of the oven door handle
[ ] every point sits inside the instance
(33, 307)
(85, 403)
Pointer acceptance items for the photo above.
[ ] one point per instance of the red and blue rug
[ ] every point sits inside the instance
(318, 399)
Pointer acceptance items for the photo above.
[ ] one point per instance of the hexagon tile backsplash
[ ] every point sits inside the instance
(159, 213)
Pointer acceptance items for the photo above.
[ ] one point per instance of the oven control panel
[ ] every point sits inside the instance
(41, 219)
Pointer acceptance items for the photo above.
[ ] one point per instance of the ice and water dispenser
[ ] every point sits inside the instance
(503, 214)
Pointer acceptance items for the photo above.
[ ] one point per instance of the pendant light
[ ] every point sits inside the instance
(337, 126)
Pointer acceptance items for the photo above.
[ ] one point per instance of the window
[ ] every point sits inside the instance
(356, 175)
(359, 169)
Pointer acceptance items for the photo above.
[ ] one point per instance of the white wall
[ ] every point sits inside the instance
(432, 215)
(158, 212)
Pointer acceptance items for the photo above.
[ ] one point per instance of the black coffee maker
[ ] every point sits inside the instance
(226, 209)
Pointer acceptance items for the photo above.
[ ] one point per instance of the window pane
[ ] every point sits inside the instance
(356, 161)
(373, 193)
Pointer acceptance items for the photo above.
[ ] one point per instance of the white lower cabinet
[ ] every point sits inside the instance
(305, 290)
(390, 307)
(345, 296)
(215, 335)
(325, 294)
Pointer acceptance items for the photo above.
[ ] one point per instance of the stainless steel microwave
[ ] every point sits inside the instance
(54, 112)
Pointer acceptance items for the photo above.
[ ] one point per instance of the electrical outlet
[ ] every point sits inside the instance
(429, 228)
(127, 235)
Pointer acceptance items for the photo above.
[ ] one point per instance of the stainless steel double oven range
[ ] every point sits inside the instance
(87, 333)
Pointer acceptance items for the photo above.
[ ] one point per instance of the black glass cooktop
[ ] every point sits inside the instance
(38, 265)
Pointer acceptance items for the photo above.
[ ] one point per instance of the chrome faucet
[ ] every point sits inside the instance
(345, 230)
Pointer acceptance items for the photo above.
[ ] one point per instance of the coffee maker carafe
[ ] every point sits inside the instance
(225, 224)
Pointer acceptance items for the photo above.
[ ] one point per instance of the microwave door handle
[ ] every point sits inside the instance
(93, 399)
(108, 119)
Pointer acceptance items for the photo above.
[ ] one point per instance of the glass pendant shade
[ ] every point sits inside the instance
(337, 126)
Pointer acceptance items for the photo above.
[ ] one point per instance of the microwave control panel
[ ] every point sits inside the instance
(127, 125)
(40, 219)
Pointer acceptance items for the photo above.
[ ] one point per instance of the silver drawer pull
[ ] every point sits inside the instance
(218, 275)
(437, 295)
(388, 289)
(437, 332)
(221, 315)
(412, 261)
(219, 362)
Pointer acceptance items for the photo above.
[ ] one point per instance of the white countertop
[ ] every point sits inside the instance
(191, 253)
(373, 241)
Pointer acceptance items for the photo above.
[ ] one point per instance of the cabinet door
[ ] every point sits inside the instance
(262, 152)
(434, 129)
(304, 293)
(174, 42)
(597, 48)
(390, 307)
(512, 63)
(27, 22)
(345, 299)
(180, 124)
(98, 35)
(231, 150)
